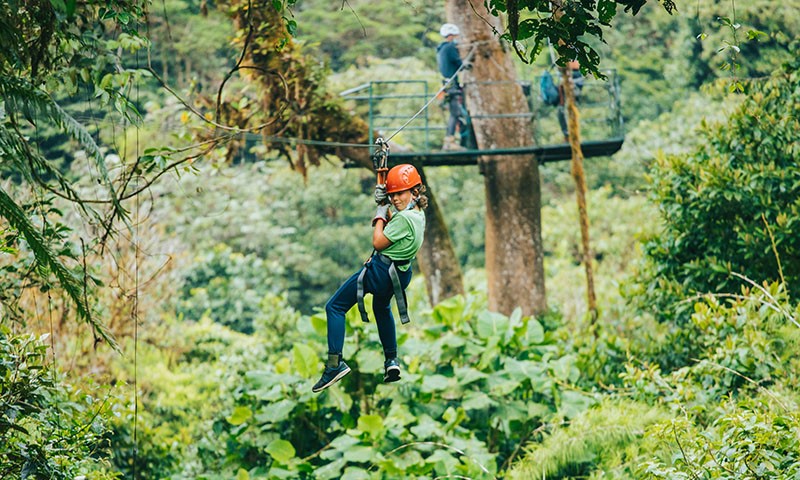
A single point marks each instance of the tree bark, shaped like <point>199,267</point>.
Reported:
<point>514,259</point>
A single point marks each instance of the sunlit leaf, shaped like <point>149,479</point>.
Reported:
<point>305,360</point>
<point>240,415</point>
<point>372,425</point>
<point>281,450</point>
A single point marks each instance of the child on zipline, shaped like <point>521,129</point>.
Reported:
<point>396,239</point>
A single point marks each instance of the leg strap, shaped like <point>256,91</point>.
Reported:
<point>399,295</point>
<point>360,295</point>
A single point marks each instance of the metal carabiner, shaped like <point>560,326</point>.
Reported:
<point>380,160</point>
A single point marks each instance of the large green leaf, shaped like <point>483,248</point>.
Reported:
<point>281,450</point>
<point>359,454</point>
<point>330,470</point>
<point>434,383</point>
<point>276,412</point>
<point>372,425</point>
<point>306,362</point>
<point>491,324</point>
<point>240,415</point>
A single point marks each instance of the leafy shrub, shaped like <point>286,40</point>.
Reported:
<point>48,429</point>
<point>749,439</point>
<point>185,370</point>
<point>730,206</point>
<point>735,404</point>
<point>228,287</point>
<point>475,385</point>
<point>593,438</point>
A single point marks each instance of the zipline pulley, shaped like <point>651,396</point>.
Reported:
<point>380,160</point>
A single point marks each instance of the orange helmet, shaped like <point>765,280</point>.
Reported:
<point>402,177</point>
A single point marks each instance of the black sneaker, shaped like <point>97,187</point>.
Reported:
<point>392,370</point>
<point>330,376</point>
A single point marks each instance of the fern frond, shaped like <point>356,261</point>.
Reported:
<point>29,163</point>
<point>24,98</point>
<point>596,434</point>
<point>17,218</point>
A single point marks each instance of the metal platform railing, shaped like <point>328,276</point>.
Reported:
<point>389,104</point>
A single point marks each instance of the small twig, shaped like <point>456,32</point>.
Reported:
<point>316,454</point>
<point>680,447</point>
<point>355,14</point>
<point>774,248</point>
<point>768,295</point>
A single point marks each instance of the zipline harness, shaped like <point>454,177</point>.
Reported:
<point>380,161</point>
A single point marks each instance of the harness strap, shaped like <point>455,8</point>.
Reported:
<point>360,295</point>
<point>399,294</point>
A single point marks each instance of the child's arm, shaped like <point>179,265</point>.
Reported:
<point>379,240</point>
<point>382,216</point>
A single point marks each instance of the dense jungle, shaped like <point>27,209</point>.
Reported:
<point>185,183</point>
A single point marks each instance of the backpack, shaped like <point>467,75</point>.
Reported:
<point>548,90</point>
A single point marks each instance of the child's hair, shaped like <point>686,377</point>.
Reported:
<point>419,194</point>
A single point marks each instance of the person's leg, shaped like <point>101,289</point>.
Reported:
<point>335,311</point>
<point>562,122</point>
<point>455,111</point>
<point>382,293</point>
<point>381,307</point>
<point>336,308</point>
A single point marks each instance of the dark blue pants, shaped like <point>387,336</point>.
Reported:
<point>378,283</point>
<point>455,98</point>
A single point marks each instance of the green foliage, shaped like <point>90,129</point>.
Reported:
<point>228,287</point>
<point>475,384</point>
<point>566,27</point>
<point>730,206</point>
<point>51,48</point>
<point>276,226</point>
<point>736,401</point>
<point>185,371</point>
<point>733,350</point>
<point>588,441</point>
<point>749,439</point>
<point>361,31</point>
<point>48,429</point>
<point>40,241</point>
<point>745,42</point>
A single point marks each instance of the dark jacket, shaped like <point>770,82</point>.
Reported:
<point>448,58</point>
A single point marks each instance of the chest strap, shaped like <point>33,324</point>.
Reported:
<point>399,294</point>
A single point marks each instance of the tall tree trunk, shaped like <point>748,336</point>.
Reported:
<point>514,259</point>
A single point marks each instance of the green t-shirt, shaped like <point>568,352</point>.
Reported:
<point>405,230</point>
